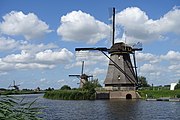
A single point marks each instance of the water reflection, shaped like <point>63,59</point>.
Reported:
<point>107,109</point>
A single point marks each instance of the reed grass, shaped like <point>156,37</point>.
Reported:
<point>70,95</point>
<point>12,108</point>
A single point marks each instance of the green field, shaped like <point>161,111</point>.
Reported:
<point>159,93</point>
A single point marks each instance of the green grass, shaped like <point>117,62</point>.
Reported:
<point>69,95</point>
<point>159,93</point>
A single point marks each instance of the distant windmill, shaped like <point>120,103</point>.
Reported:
<point>14,86</point>
<point>82,77</point>
<point>121,74</point>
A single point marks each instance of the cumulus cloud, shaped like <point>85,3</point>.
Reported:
<point>139,27</point>
<point>4,66</point>
<point>98,71</point>
<point>169,22</point>
<point>33,66</point>
<point>18,23</point>
<point>23,57</point>
<point>54,56</point>
<point>80,26</point>
<point>156,67</point>
<point>90,58</point>
<point>171,56</point>
<point>150,69</point>
<point>40,60</point>
<point>12,44</point>
<point>142,57</point>
<point>34,48</point>
<point>8,44</point>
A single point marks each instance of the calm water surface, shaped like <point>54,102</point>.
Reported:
<point>106,109</point>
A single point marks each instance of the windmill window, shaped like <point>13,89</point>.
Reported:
<point>119,57</point>
<point>119,77</point>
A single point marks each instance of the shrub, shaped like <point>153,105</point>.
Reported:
<point>178,96</point>
<point>177,86</point>
<point>65,87</point>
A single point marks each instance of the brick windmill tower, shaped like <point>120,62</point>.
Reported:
<point>121,79</point>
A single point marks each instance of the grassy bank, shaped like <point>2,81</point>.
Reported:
<point>69,95</point>
<point>20,92</point>
<point>159,93</point>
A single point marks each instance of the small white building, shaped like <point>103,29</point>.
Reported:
<point>173,86</point>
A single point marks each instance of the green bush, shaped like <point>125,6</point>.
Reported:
<point>177,86</point>
<point>178,95</point>
<point>65,87</point>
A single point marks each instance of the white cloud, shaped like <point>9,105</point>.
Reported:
<point>60,81</point>
<point>14,45</point>
<point>33,66</point>
<point>98,71</point>
<point>171,56</point>
<point>174,67</point>
<point>5,66</point>
<point>141,57</point>
<point>54,57</point>
<point>80,26</point>
<point>23,57</point>
<point>169,22</point>
<point>18,23</point>
<point>151,69</point>
<point>90,58</point>
<point>43,79</point>
<point>139,27</point>
<point>41,60</point>
<point>163,68</point>
<point>34,48</point>
<point>8,44</point>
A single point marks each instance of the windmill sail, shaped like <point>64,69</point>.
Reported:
<point>82,77</point>
<point>121,75</point>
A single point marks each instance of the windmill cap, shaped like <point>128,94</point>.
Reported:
<point>84,76</point>
<point>119,48</point>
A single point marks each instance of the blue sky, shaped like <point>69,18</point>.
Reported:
<point>38,38</point>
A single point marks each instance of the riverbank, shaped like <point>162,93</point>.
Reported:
<point>164,99</point>
<point>156,94</point>
<point>89,95</point>
<point>70,95</point>
<point>13,92</point>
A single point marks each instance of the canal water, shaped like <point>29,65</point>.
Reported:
<point>105,109</point>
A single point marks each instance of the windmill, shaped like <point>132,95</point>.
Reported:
<point>14,86</point>
<point>121,74</point>
<point>82,77</point>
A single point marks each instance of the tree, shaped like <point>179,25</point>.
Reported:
<point>177,86</point>
<point>65,87</point>
<point>49,89</point>
<point>96,83</point>
<point>143,81</point>
<point>91,84</point>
